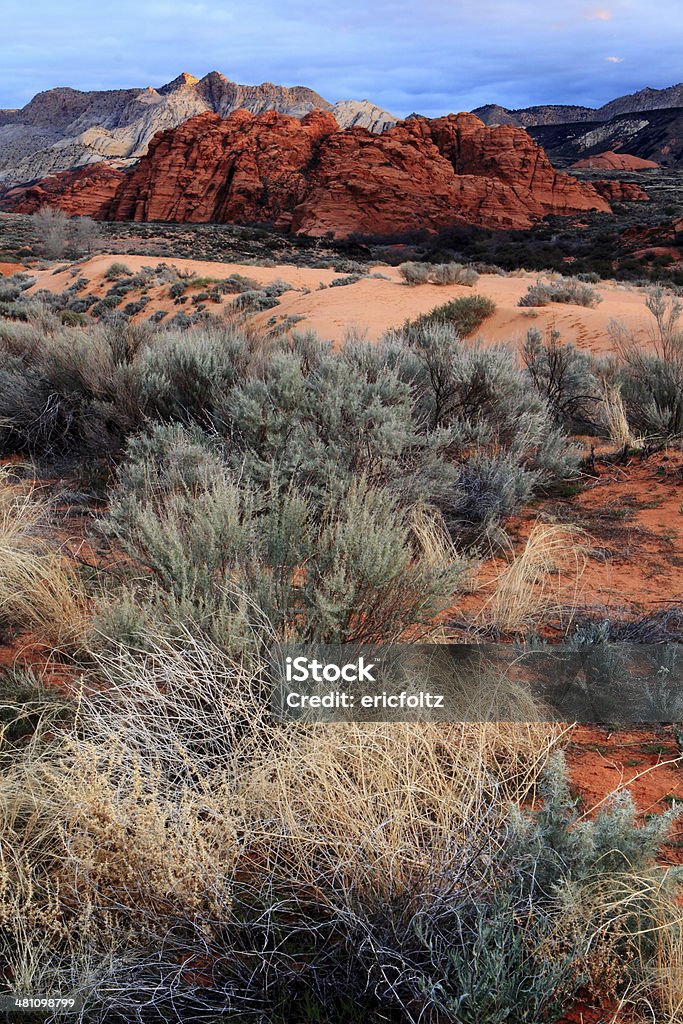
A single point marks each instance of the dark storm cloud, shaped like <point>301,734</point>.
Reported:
<point>435,57</point>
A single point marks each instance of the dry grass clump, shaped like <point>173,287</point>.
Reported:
<point>616,421</point>
<point>210,857</point>
<point>38,592</point>
<point>178,798</point>
<point>541,582</point>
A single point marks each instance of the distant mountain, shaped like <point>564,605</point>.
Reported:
<point>652,135</point>
<point>528,117</point>
<point>65,128</point>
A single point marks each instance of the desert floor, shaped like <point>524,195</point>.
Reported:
<point>372,305</point>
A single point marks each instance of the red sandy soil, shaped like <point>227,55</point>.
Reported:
<point>634,515</point>
<point>597,1015</point>
<point>7,269</point>
<point>645,760</point>
<point>372,305</point>
<point>630,519</point>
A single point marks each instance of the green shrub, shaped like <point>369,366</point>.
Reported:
<point>115,271</point>
<point>651,380</point>
<point>233,560</point>
<point>463,316</point>
<point>254,301</point>
<point>131,308</point>
<point>652,392</point>
<point>9,291</point>
<point>338,282</point>
<point>105,305</point>
<point>325,419</point>
<point>183,377</point>
<point>428,420</point>
<point>66,390</point>
<point>72,318</point>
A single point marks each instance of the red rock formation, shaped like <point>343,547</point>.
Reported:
<point>87,192</point>
<point>311,177</point>
<point>246,168</point>
<point>610,161</point>
<point>621,191</point>
<point>424,173</point>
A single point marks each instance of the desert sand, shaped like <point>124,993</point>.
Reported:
<point>374,304</point>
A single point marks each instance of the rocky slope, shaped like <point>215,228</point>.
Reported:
<point>527,117</point>
<point>64,128</point>
<point>311,177</point>
<point>655,135</point>
<point>615,191</point>
<point>85,192</point>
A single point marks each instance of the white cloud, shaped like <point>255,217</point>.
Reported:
<point>598,14</point>
<point>614,60</point>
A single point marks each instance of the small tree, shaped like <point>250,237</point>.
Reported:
<point>85,233</point>
<point>52,226</point>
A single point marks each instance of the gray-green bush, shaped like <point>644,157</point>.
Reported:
<point>651,379</point>
<point>565,377</point>
<point>567,289</point>
<point>231,559</point>
<point>438,273</point>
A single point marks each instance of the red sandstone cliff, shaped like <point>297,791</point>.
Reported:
<point>87,192</point>
<point>311,177</point>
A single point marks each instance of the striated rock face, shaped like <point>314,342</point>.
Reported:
<point>311,177</point>
<point>621,191</point>
<point>610,161</point>
<point>87,192</point>
<point>245,168</point>
<point>655,135</point>
<point>429,174</point>
<point>362,114</point>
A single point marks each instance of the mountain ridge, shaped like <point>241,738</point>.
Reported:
<point>645,99</point>
<point>63,128</point>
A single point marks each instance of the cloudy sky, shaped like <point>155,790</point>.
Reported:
<point>430,56</point>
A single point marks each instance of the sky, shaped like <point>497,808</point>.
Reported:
<point>425,56</point>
